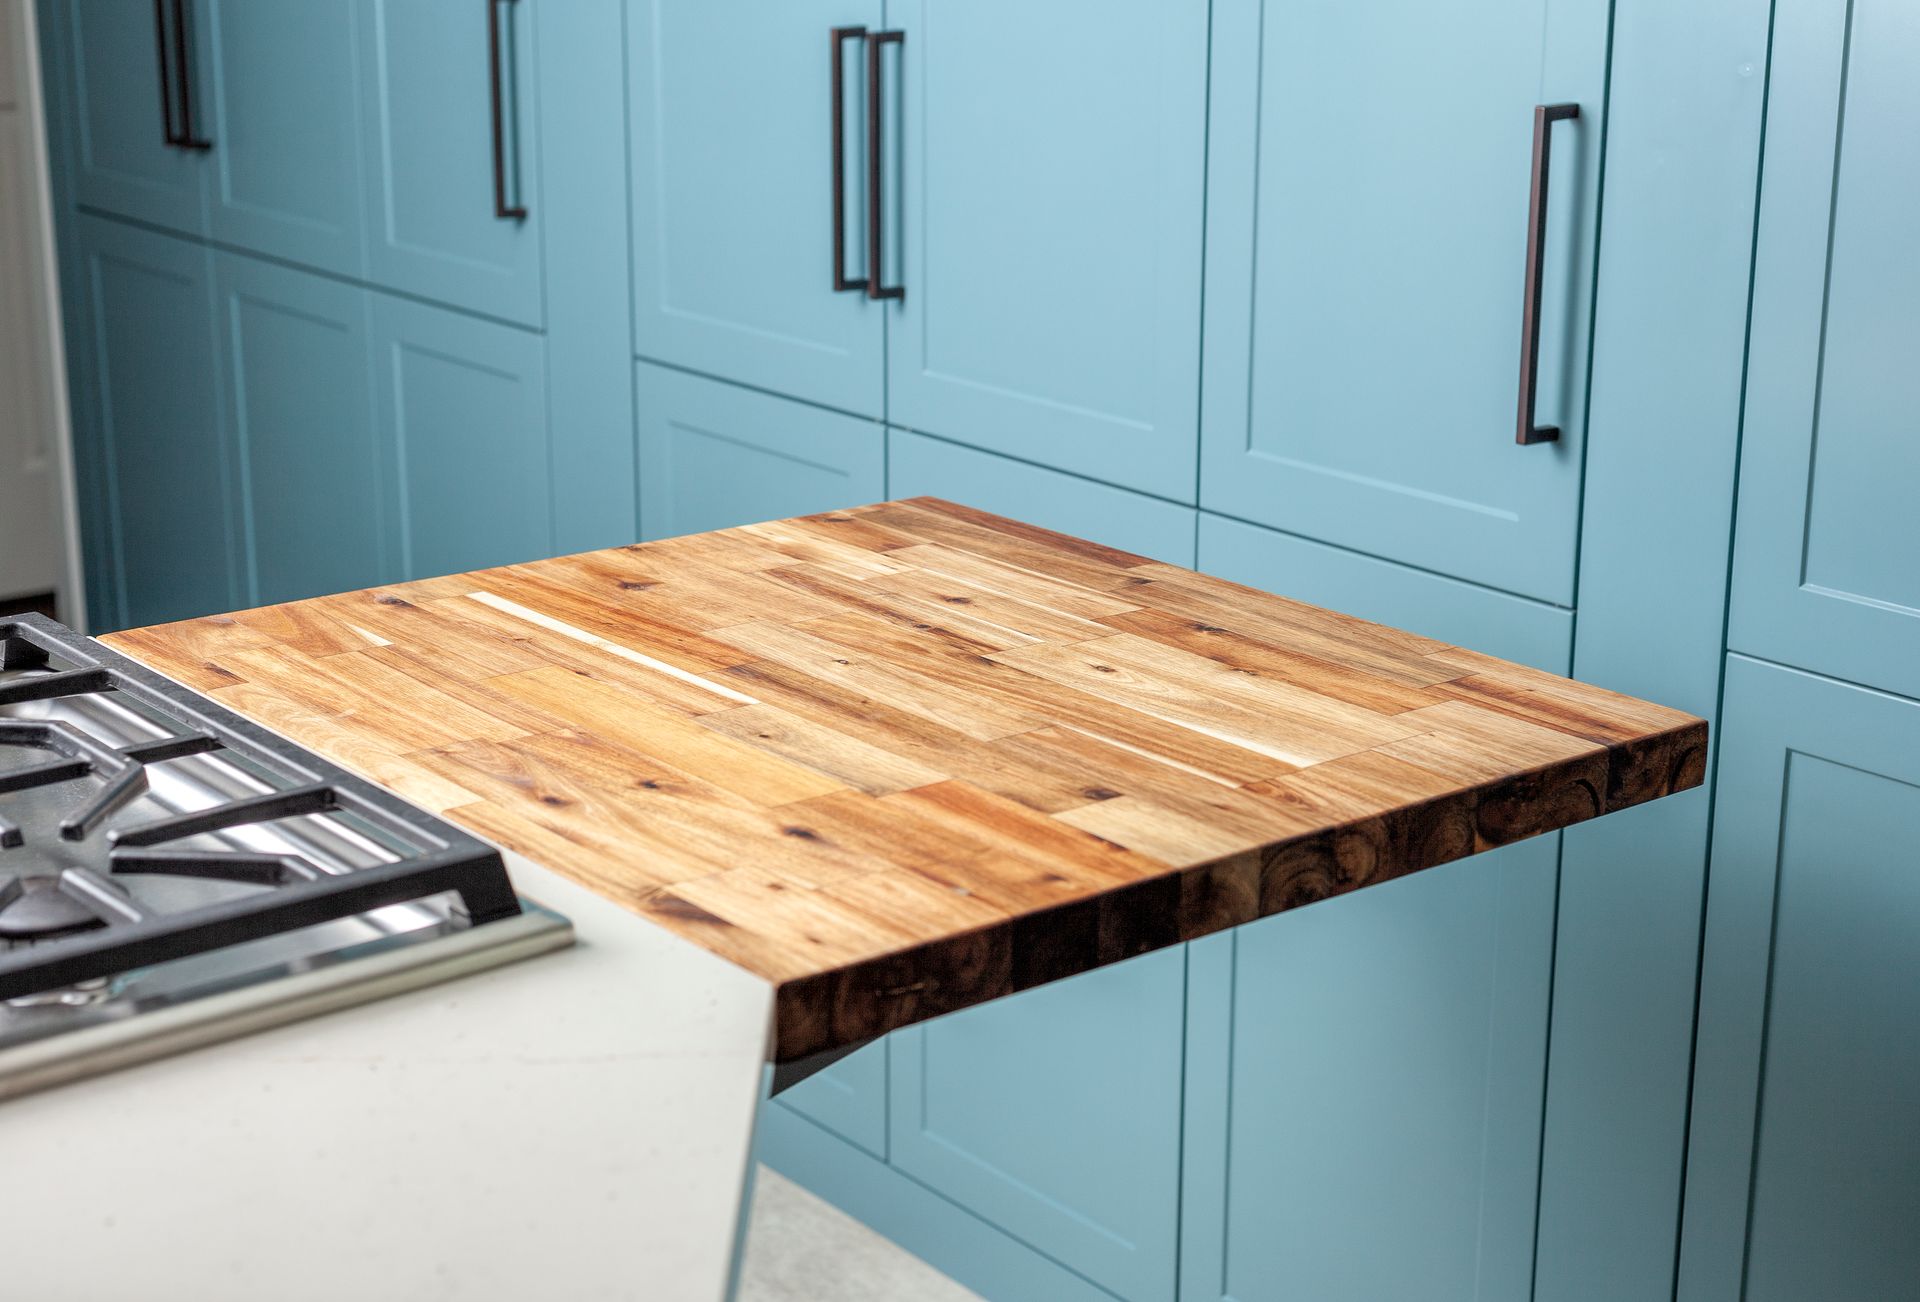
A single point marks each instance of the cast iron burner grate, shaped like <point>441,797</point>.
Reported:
<point>80,924</point>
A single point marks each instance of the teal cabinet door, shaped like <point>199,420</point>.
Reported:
<point>1055,1115</point>
<point>1368,206</point>
<point>431,216</point>
<point>121,163</point>
<point>733,266</point>
<point>462,407</point>
<point>1365,1075</point>
<point>283,109</point>
<point>714,455</point>
<point>1824,564</point>
<point>1051,185</point>
<point>153,446</point>
<point>1803,1171</point>
<point>918,466</point>
<point>848,1098</point>
<point>315,488</point>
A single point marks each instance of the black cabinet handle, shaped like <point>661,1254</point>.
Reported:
<point>877,42</point>
<point>501,208</point>
<point>1544,116</point>
<point>841,35</point>
<point>180,136</point>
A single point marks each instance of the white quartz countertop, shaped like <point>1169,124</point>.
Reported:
<point>576,1126</point>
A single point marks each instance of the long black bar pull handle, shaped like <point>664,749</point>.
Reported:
<point>841,35</point>
<point>182,67</point>
<point>168,135</point>
<point>501,208</point>
<point>1544,116</point>
<point>876,271</point>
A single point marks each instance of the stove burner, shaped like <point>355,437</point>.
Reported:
<point>36,908</point>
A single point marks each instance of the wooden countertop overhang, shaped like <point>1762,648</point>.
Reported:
<point>906,758</point>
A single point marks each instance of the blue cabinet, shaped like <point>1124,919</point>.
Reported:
<point>462,424</point>
<point>112,55</point>
<point>152,455</point>
<point>1049,233</point>
<point>848,1098</point>
<point>1367,225</point>
<point>1803,1174</point>
<point>732,197</point>
<point>918,466</point>
<point>315,492</point>
<point>1824,566</point>
<point>428,148</point>
<point>281,94</point>
<point>1374,1065</point>
<point>713,455</point>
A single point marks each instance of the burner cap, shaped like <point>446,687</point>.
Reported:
<point>35,908</point>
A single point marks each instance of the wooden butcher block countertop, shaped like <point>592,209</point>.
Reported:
<point>905,758</point>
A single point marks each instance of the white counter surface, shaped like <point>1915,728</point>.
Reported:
<point>574,1127</point>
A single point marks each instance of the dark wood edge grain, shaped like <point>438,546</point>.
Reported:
<point>863,1001</point>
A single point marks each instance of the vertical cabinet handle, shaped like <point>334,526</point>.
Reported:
<point>175,99</point>
<point>841,35</point>
<point>1544,116</point>
<point>501,208</point>
<point>876,271</point>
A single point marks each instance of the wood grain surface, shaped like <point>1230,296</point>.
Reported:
<point>905,758</point>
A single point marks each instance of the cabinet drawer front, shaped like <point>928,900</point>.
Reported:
<point>1055,1115</point>
<point>1803,1173</point>
<point>1824,572</point>
<point>430,191</point>
<point>1368,220</point>
<point>919,466</point>
<point>1050,232</point>
<point>848,1098</point>
<point>732,215</point>
<point>1383,1051</point>
<point>120,161</point>
<point>463,415</point>
<point>713,455</point>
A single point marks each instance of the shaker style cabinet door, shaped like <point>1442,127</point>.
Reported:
<point>714,455</point>
<point>154,461</point>
<point>462,407</point>
<point>1368,279</point>
<point>314,486</point>
<point>1803,1165</point>
<point>848,1098</point>
<point>448,217</point>
<point>126,118</point>
<point>733,202</point>
<point>1365,1075</point>
<point>1824,572</point>
<point>1042,189</point>
<point>283,109</point>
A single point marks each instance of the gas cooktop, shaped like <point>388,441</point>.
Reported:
<point>172,874</point>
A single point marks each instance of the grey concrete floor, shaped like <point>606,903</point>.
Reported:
<point>800,1249</point>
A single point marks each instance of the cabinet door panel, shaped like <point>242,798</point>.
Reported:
<point>165,472</point>
<point>314,485</point>
<point>920,466</point>
<point>848,1098</point>
<point>1050,234</point>
<point>1367,231</point>
<point>463,411</point>
<point>1055,1115</point>
<point>1803,1173</point>
<point>1383,1051</point>
<point>120,163</point>
<point>732,190</point>
<point>283,82</point>
<point>713,455</point>
<point>1824,572</point>
<point>429,149</point>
